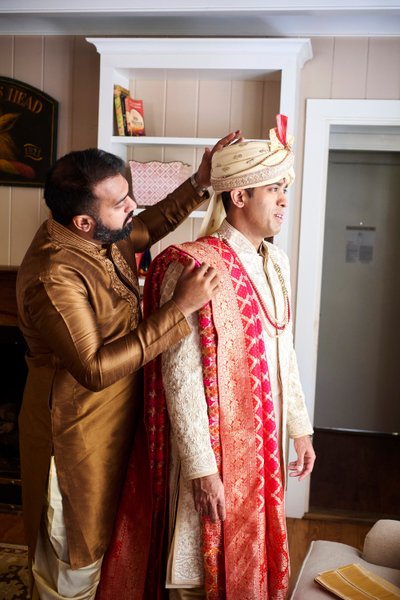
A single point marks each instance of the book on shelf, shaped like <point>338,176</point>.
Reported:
<point>120,93</point>
<point>134,116</point>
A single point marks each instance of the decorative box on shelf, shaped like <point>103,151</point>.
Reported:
<point>154,180</point>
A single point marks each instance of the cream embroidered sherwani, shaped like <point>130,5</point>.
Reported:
<point>191,452</point>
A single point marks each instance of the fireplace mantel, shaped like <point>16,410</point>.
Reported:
<point>13,374</point>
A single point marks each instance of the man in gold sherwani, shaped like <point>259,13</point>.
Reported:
<point>232,392</point>
<point>79,310</point>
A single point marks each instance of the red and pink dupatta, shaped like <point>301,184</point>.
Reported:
<point>246,557</point>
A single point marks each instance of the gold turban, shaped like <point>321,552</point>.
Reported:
<point>248,165</point>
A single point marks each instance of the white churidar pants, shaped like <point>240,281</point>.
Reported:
<point>54,577</point>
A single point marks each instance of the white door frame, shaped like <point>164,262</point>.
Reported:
<point>321,115</point>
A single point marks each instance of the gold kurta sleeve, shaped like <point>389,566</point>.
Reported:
<point>69,326</point>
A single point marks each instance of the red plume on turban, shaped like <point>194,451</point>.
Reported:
<point>281,129</point>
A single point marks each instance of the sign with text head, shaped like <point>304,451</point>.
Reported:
<point>28,133</point>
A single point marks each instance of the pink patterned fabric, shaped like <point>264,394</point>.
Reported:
<point>152,181</point>
<point>255,545</point>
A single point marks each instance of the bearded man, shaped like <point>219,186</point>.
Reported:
<point>79,309</point>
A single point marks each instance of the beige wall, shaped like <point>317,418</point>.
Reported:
<point>67,68</point>
<point>366,68</point>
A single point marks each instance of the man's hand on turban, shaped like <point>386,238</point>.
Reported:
<point>204,170</point>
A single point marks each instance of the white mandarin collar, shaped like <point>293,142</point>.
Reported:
<point>240,243</point>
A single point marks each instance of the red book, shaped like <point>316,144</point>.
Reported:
<point>134,116</point>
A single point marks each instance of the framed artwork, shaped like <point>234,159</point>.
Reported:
<point>28,133</point>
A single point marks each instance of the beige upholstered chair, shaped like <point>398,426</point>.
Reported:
<point>380,555</point>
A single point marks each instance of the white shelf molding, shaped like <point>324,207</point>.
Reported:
<point>163,141</point>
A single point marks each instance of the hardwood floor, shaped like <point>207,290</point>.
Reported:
<point>301,532</point>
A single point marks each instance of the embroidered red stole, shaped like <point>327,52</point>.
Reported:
<point>246,557</point>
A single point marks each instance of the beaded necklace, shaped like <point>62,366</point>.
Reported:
<point>281,325</point>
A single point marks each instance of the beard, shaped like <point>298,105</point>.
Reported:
<point>104,234</point>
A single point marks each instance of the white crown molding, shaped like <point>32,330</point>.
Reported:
<point>189,53</point>
<point>351,25</point>
<point>291,18</point>
<point>191,6</point>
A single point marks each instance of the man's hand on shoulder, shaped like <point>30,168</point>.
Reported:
<point>209,497</point>
<point>195,287</point>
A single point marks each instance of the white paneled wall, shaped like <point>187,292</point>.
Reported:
<point>207,108</point>
<point>365,68</point>
<point>67,68</point>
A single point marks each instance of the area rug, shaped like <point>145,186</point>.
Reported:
<point>13,572</point>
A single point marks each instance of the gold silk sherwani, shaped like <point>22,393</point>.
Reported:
<point>79,311</point>
<point>191,452</point>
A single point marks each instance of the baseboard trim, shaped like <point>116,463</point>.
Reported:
<point>319,514</point>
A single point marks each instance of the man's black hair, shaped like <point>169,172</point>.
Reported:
<point>226,198</point>
<point>69,184</point>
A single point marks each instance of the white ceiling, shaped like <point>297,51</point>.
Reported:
<point>288,18</point>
